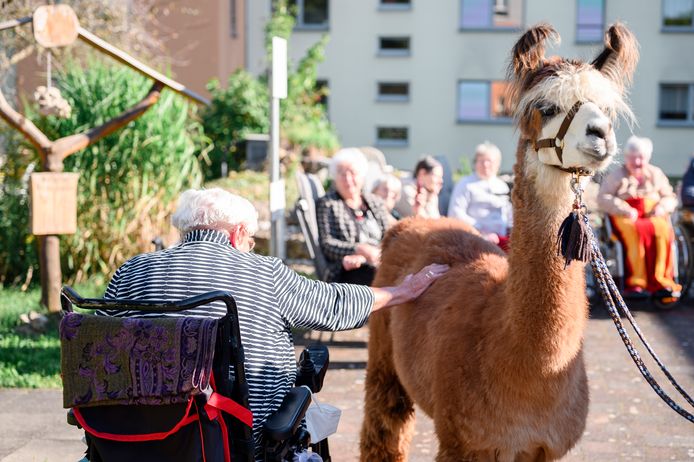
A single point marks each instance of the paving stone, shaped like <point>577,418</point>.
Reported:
<point>626,422</point>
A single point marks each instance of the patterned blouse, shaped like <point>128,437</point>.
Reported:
<point>339,231</point>
<point>271,300</point>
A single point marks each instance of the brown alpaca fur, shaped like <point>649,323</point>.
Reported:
<point>493,350</point>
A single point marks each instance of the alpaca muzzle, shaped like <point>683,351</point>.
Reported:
<point>558,142</point>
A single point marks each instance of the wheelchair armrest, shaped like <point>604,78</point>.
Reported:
<point>282,424</point>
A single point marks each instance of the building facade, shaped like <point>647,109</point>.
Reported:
<point>201,40</point>
<point>413,77</point>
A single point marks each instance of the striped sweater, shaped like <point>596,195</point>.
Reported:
<point>271,299</point>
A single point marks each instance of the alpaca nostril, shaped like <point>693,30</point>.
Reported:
<point>595,131</point>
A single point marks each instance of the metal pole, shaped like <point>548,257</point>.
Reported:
<point>278,90</point>
<point>277,224</point>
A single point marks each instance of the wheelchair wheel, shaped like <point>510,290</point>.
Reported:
<point>684,263</point>
<point>685,259</point>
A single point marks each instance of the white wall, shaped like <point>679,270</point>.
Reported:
<point>442,55</point>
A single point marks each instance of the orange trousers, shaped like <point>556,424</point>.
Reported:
<point>647,248</point>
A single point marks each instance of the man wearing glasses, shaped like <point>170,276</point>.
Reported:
<point>217,230</point>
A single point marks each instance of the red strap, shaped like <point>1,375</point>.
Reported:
<point>185,420</point>
<point>228,405</point>
<point>231,407</point>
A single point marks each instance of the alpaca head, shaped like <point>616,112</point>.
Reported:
<point>544,90</point>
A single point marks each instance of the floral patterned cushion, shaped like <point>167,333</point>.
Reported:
<point>109,360</point>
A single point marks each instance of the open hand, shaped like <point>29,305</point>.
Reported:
<point>415,284</point>
<point>352,262</point>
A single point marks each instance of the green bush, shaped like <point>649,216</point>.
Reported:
<point>237,110</point>
<point>18,257</point>
<point>129,180</point>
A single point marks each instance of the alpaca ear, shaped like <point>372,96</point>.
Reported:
<point>529,52</point>
<point>618,60</point>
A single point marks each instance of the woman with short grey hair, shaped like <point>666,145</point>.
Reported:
<point>351,223</point>
<point>217,230</point>
<point>482,199</point>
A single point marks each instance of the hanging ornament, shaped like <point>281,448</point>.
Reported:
<point>49,99</point>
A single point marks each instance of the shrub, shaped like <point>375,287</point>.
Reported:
<point>130,179</point>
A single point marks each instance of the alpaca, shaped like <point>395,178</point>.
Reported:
<point>493,350</point>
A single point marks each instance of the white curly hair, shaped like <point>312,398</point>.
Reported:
<point>210,208</point>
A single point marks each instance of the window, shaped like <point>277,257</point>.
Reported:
<point>392,136</point>
<point>395,4</point>
<point>678,15</point>
<point>393,91</point>
<point>676,104</point>
<point>480,101</point>
<point>394,46</point>
<point>310,14</point>
<point>491,14</point>
<point>590,21</point>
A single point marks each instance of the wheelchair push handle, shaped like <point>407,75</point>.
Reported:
<point>70,297</point>
<point>313,364</point>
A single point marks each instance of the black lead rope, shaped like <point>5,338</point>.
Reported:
<point>613,299</point>
<point>576,241</point>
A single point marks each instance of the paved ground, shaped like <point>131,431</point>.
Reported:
<point>627,421</point>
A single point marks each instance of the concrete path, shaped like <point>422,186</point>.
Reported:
<point>627,421</point>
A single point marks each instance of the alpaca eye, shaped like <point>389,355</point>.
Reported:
<point>549,111</point>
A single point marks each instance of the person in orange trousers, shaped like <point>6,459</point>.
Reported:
<point>639,199</point>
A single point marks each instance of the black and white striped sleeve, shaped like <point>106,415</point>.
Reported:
<point>319,305</point>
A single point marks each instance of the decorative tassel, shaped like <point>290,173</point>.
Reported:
<point>573,239</point>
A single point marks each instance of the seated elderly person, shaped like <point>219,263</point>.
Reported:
<point>639,200</point>
<point>351,223</point>
<point>217,230</point>
<point>389,188</point>
<point>482,199</point>
<point>420,194</point>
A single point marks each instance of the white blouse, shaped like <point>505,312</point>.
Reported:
<point>485,204</point>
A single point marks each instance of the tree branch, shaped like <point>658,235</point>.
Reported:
<point>30,131</point>
<point>63,147</point>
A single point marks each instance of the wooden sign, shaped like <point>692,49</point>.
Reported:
<point>53,203</point>
<point>55,25</point>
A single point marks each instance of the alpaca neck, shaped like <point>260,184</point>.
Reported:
<point>547,301</point>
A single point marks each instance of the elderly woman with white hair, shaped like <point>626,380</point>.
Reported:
<point>351,223</point>
<point>217,230</point>
<point>639,199</point>
<point>482,199</point>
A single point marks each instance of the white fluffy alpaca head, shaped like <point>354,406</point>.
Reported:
<point>543,90</point>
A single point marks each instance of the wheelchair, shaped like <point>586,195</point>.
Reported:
<point>613,251</point>
<point>205,423</point>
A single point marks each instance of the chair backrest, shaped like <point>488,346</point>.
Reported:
<point>377,166</point>
<point>310,190</point>
<point>132,423</point>
<point>447,188</point>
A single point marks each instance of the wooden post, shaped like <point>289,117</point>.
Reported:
<point>51,274</point>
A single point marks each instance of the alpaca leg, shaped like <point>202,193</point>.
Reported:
<point>388,411</point>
